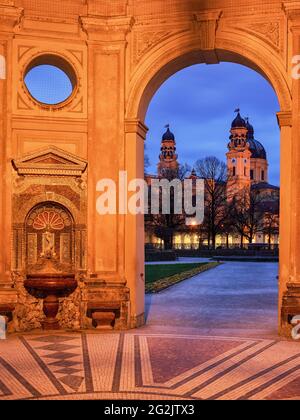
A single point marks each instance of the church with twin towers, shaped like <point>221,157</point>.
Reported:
<point>247,169</point>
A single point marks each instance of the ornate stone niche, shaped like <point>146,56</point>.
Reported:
<point>49,234</point>
<point>49,223</point>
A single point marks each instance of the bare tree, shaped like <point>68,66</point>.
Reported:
<point>214,173</point>
<point>180,173</point>
<point>164,226</point>
<point>247,214</point>
<point>183,171</point>
<point>227,226</point>
<point>271,223</point>
<point>146,159</point>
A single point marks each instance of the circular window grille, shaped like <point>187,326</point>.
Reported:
<point>50,80</point>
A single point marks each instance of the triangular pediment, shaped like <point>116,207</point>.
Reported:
<point>50,161</point>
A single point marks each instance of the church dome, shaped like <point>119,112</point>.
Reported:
<point>168,136</point>
<point>250,129</point>
<point>238,122</point>
<point>256,148</point>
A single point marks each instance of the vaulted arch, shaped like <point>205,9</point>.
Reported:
<point>185,50</point>
<point>177,52</point>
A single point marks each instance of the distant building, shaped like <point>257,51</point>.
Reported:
<point>247,166</point>
<point>168,156</point>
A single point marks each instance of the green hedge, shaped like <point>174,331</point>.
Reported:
<point>152,256</point>
<point>167,282</point>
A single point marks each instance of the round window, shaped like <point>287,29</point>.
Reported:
<point>50,80</point>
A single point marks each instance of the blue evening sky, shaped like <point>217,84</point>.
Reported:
<point>48,84</point>
<point>199,102</point>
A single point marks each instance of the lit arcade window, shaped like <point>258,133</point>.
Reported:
<point>50,80</point>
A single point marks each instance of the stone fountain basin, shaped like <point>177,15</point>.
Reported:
<point>51,284</point>
<point>50,287</point>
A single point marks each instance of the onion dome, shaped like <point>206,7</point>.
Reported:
<point>238,122</point>
<point>168,136</point>
<point>250,135</point>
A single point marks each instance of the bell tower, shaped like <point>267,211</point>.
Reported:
<point>238,157</point>
<point>168,156</point>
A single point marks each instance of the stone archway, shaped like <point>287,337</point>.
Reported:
<point>117,55</point>
<point>159,67</point>
<point>182,52</point>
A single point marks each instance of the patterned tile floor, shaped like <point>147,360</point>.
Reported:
<point>165,359</point>
<point>140,365</point>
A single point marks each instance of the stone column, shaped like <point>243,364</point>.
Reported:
<point>2,158</point>
<point>295,152</point>
<point>135,232</point>
<point>9,17</point>
<point>108,237</point>
<point>106,150</point>
<point>290,186</point>
<point>286,181</point>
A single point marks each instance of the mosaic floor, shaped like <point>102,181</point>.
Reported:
<point>147,366</point>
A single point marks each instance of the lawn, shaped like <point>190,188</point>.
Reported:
<point>161,271</point>
<point>162,276</point>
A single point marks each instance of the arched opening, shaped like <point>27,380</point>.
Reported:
<point>144,88</point>
<point>165,62</point>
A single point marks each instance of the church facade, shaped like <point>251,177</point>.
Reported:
<point>247,170</point>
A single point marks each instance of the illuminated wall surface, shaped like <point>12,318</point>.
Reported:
<point>87,121</point>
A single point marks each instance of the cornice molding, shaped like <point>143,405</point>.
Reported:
<point>292,12</point>
<point>134,126</point>
<point>284,119</point>
<point>210,15</point>
<point>10,17</point>
<point>206,25</point>
<point>291,8</point>
<point>102,28</point>
<point>50,161</point>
